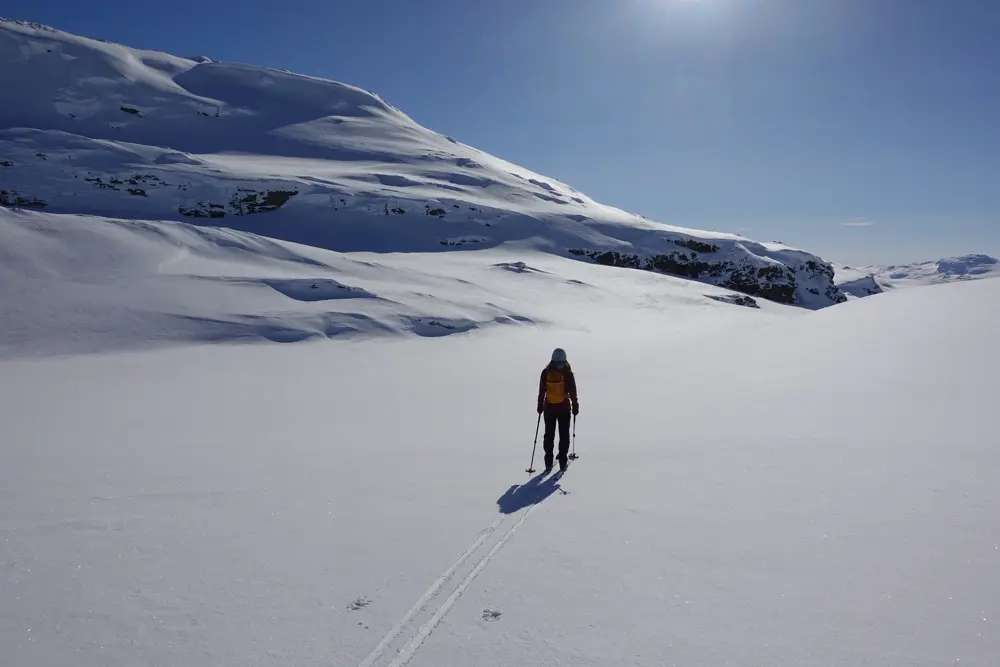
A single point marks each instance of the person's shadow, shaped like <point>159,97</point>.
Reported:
<point>532,492</point>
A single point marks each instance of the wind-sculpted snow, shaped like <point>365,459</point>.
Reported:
<point>82,284</point>
<point>102,129</point>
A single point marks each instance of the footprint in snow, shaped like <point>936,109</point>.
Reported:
<point>359,604</point>
<point>491,615</point>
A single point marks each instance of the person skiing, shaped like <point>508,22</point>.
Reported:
<point>557,399</point>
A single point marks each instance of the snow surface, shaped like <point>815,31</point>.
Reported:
<point>789,491</point>
<point>102,129</point>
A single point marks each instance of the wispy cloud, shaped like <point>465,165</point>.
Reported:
<point>858,222</point>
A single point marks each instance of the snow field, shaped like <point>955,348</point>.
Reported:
<point>740,497</point>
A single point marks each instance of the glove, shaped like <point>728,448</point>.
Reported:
<point>540,409</point>
<point>576,410</point>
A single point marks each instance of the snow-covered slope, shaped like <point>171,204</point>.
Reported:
<point>785,492</point>
<point>869,280</point>
<point>80,284</point>
<point>857,283</point>
<point>101,129</point>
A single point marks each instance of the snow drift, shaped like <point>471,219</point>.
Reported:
<point>82,284</point>
<point>101,129</point>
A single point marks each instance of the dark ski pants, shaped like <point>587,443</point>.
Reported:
<point>552,419</point>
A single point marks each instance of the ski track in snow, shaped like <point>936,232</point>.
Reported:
<point>429,595</point>
<point>425,631</point>
<point>410,649</point>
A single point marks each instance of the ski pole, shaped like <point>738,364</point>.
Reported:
<point>573,456</point>
<point>531,468</point>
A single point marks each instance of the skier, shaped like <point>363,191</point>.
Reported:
<point>556,399</point>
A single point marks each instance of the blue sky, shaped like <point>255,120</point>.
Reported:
<point>864,130</point>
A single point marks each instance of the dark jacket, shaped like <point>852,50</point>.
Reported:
<point>570,400</point>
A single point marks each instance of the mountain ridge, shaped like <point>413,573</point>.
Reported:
<point>870,280</point>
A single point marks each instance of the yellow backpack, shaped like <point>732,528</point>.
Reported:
<point>555,387</point>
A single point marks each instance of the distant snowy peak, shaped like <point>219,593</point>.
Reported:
<point>865,281</point>
<point>969,266</point>
<point>103,129</point>
<point>85,84</point>
<point>27,24</point>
